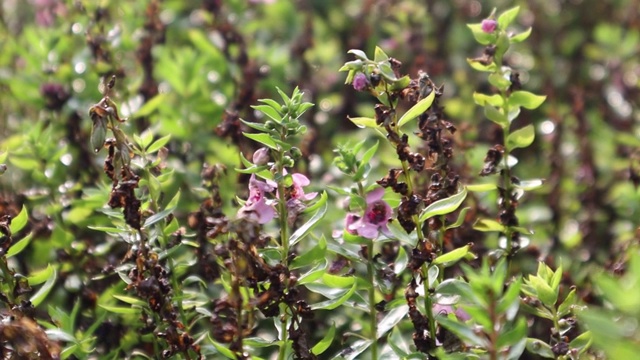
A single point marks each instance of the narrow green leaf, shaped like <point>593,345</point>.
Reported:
<point>391,319</point>
<point>461,330</point>
<point>496,116</point>
<point>130,300</point>
<point>417,109</point>
<point>310,257</point>
<point>444,206</point>
<point>540,348</point>
<point>582,342</point>
<point>335,302</point>
<point>269,111</point>
<point>452,256</point>
<point>488,225</point>
<point>324,344</point>
<point>38,277</point>
<point>481,187</point>
<point>335,281</point>
<point>461,217</point>
<point>364,122</point>
<point>263,139</point>
<point>304,229</point>
<point>222,350</point>
<point>18,222</point>
<point>506,18</point>
<point>479,66</point>
<point>528,185</point>
<point>518,38</point>
<point>401,261</point>
<point>566,306</point>
<point>521,138</point>
<point>358,53</point>
<point>499,81</point>
<point>525,99</point>
<point>42,293</point>
<point>17,248</point>
<point>158,144</point>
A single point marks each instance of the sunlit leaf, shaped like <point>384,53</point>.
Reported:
<point>325,342</point>
<point>18,222</point>
<point>417,109</point>
<point>444,206</point>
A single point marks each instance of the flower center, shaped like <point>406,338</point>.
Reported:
<point>378,213</point>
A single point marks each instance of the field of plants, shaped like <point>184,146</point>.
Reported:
<point>319,179</point>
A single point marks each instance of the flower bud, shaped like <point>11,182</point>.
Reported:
<point>261,156</point>
<point>295,153</point>
<point>360,82</point>
<point>489,25</point>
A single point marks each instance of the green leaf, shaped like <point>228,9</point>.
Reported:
<point>263,139</point>
<point>540,348</point>
<point>566,306</point>
<point>150,106</point>
<point>525,99</point>
<point>304,229</point>
<point>42,293</point>
<point>479,66</point>
<point>222,350</point>
<point>269,111</point>
<point>324,344</point>
<point>518,38</point>
<point>130,300</point>
<point>17,248</point>
<point>443,206</point>
<point>461,217</point>
<point>380,55</point>
<point>481,187</point>
<point>164,213</point>
<point>364,122</point>
<point>38,277</point>
<point>335,281</point>
<point>483,99</point>
<point>532,184</point>
<point>582,342</point>
<point>358,53</point>
<point>452,256</point>
<point>18,222</point>
<point>158,144</point>
<point>417,109</point>
<point>120,309</point>
<point>401,261</point>
<point>462,331</point>
<point>312,256</point>
<point>545,293</point>
<point>499,81</point>
<point>521,138</point>
<point>496,116</point>
<point>481,37</point>
<point>488,225</point>
<point>391,319</point>
<point>506,18</point>
<point>335,302</point>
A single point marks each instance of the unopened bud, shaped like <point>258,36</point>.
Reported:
<point>261,156</point>
<point>295,153</point>
<point>489,25</point>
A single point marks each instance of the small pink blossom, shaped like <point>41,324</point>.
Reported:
<point>257,207</point>
<point>375,219</point>
<point>360,82</point>
<point>448,309</point>
<point>489,25</point>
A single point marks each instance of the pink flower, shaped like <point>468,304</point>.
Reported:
<point>258,207</point>
<point>489,25</point>
<point>376,216</point>
<point>261,156</point>
<point>360,82</point>
<point>448,309</point>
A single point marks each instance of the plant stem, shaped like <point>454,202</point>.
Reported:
<point>372,301</point>
<point>284,242</point>
<point>493,335</point>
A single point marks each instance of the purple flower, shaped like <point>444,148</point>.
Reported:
<point>489,25</point>
<point>257,207</point>
<point>376,216</point>
<point>360,82</point>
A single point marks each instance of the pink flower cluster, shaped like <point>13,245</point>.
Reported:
<point>261,209</point>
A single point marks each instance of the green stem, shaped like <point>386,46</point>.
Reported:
<point>428,305</point>
<point>284,239</point>
<point>372,301</point>
<point>7,276</point>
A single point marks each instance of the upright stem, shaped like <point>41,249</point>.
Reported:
<point>372,301</point>
<point>493,334</point>
<point>506,176</point>
<point>284,238</point>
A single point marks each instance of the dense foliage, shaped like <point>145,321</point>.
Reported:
<point>262,179</point>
